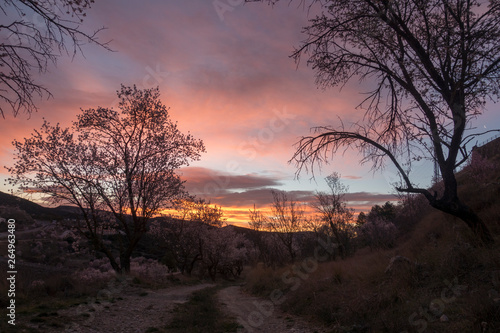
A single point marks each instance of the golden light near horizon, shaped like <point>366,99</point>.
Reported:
<point>248,119</point>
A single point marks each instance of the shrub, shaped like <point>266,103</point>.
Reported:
<point>149,270</point>
<point>378,233</point>
<point>480,167</point>
<point>91,275</point>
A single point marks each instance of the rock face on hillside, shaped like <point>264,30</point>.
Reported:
<point>398,263</point>
<point>490,150</point>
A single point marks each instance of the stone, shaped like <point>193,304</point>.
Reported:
<point>444,319</point>
<point>397,261</point>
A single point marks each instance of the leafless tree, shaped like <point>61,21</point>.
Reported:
<point>256,219</point>
<point>33,35</point>
<point>117,167</point>
<point>334,212</point>
<point>286,219</point>
<point>434,64</point>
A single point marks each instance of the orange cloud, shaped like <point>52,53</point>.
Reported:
<point>229,83</point>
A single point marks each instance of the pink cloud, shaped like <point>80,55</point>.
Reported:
<point>225,82</point>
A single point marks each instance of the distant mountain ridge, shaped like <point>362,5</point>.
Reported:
<point>490,150</point>
<point>35,210</point>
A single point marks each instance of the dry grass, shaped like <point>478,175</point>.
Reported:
<point>449,274</point>
<point>40,294</point>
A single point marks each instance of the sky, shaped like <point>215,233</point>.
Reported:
<point>223,68</point>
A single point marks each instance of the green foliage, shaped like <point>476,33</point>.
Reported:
<point>386,212</point>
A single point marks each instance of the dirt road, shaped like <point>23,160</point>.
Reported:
<point>260,315</point>
<point>137,310</point>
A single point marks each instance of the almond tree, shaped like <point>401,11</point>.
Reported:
<point>117,167</point>
<point>34,34</point>
<point>185,237</point>
<point>432,65</point>
<point>224,251</point>
<point>197,238</point>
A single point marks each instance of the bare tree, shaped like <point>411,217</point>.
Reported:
<point>256,219</point>
<point>334,212</point>
<point>34,34</point>
<point>434,64</point>
<point>286,219</point>
<point>118,168</point>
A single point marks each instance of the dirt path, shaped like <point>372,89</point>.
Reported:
<point>134,311</point>
<point>260,315</point>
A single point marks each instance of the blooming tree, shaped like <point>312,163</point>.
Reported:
<point>117,167</point>
<point>224,251</point>
<point>378,232</point>
<point>197,238</point>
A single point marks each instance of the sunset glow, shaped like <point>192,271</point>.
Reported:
<point>228,80</point>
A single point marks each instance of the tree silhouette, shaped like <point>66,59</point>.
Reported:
<point>117,167</point>
<point>334,213</point>
<point>286,219</point>
<point>433,64</point>
<point>34,34</point>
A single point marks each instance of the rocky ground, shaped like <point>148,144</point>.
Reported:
<point>135,310</point>
<point>132,309</point>
<point>255,314</point>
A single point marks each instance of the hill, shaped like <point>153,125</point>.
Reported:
<point>435,279</point>
<point>491,149</point>
<point>29,207</point>
<point>9,202</point>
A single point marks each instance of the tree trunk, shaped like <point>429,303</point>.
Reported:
<point>476,224</point>
<point>125,263</point>
<point>212,271</point>
<point>190,266</point>
<point>116,267</point>
<point>466,214</point>
<point>451,204</point>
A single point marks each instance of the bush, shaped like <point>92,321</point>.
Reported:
<point>378,233</point>
<point>480,168</point>
<point>149,270</point>
<point>94,276</point>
